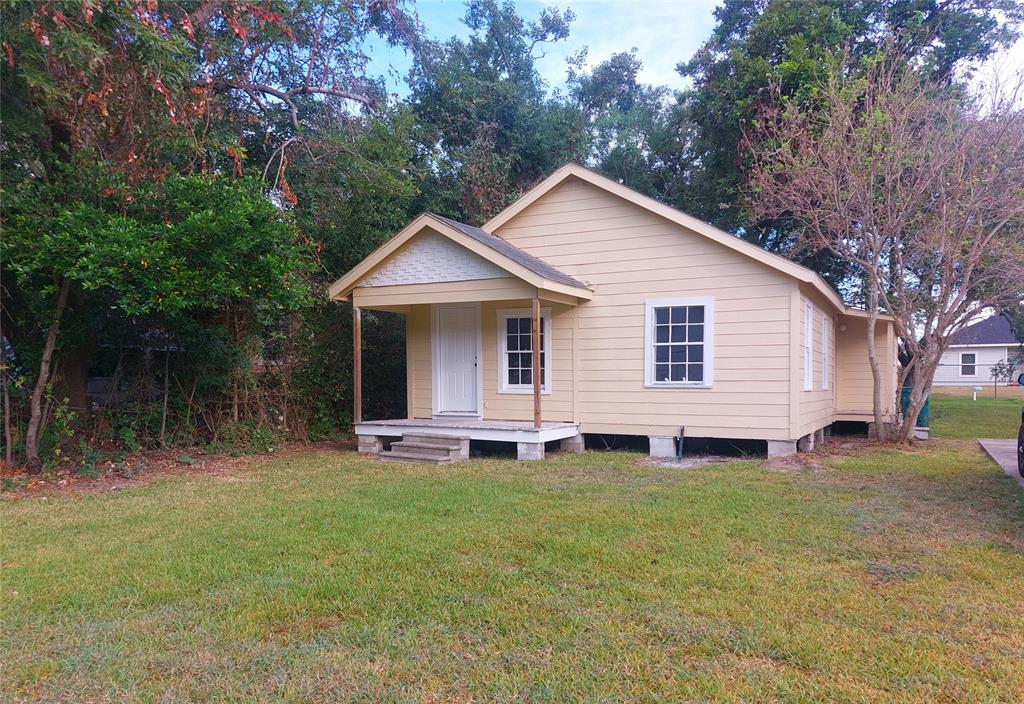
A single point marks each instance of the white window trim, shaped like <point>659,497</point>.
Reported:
<point>960,367</point>
<point>503,386</point>
<point>826,351</point>
<point>808,346</point>
<point>709,342</point>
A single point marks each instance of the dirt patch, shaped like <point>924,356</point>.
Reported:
<point>689,462</point>
<point>142,468</point>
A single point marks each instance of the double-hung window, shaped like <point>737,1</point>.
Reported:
<point>515,351</point>
<point>826,350</point>
<point>968,364</point>
<point>808,347</point>
<point>678,342</point>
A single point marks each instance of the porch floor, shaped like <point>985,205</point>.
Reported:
<point>473,428</point>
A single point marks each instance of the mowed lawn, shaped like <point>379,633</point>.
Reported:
<point>988,417</point>
<point>882,576</point>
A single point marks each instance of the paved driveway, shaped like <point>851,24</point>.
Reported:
<point>1003,453</point>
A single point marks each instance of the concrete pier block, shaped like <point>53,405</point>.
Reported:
<point>662,445</point>
<point>573,444</point>
<point>370,444</point>
<point>781,448</point>
<point>529,450</point>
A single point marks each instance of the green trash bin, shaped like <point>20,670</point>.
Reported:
<point>924,419</point>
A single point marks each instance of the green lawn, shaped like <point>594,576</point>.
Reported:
<point>888,576</point>
<point>962,417</point>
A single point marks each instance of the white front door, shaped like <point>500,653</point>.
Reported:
<point>457,343</point>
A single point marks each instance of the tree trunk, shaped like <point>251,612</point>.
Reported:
<point>167,391</point>
<point>876,369</point>
<point>8,449</point>
<point>32,460</point>
<point>919,391</point>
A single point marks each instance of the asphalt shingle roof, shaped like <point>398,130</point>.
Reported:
<point>512,252</point>
<point>990,331</point>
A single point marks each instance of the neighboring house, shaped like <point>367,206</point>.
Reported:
<point>975,349</point>
<point>650,321</point>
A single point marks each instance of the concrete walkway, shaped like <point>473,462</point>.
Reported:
<point>1004,454</point>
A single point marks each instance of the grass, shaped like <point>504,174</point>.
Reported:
<point>963,418</point>
<point>885,576</point>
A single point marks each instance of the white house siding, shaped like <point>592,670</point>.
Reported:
<point>629,255</point>
<point>948,373</point>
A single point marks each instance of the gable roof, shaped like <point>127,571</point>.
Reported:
<point>734,243</point>
<point>509,250</point>
<point>491,247</point>
<point>990,331</point>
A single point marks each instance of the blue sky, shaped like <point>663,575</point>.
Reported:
<point>664,32</point>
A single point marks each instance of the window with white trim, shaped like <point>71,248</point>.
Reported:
<point>808,347</point>
<point>968,364</point>
<point>678,342</point>
<point>826,350</point>
<point>515,351</point>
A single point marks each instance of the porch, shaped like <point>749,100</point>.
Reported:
<point>489,339</point>
<point>529,439</point>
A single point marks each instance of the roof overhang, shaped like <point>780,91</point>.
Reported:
<point>801,273</point>
<point>341,289</point>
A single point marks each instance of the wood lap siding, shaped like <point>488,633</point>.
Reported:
<point>853,373</point>
<point>556,406</point>
<point>418,356</point>
<point>815,407</point>
<point>628,256</point>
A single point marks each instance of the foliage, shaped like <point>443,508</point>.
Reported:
<point>921,192</point>
<point>793,45</point>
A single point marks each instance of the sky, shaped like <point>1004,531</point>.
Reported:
<point>664,33</point>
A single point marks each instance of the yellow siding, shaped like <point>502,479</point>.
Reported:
<point>418,358</point>
<point>446,292</point>
<point>853,373</point>
<point>556,406</point>
<point>815,407</point>
<point>629,256</point>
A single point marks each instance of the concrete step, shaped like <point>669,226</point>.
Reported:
<point>425,448</point>
<point>413,458</point>
<point>448,441</point>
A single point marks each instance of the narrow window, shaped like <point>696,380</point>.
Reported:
<point>808,347</point>
<point>968,362</point>
<point>515,349</point>
<point>826,350</point>
<point>678,343</point>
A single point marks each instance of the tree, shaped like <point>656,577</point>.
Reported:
<point>788,46</point>
<point>919,189</point>
<point>489,129</point>
<point>199,243</point>
<point>1003,371</point>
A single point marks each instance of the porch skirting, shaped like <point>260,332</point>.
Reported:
<point>475,429</point>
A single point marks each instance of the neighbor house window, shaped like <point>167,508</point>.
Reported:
<point>515,351</point>
<point>808,347</point>
<point>826,350</point>
<point>967,364</point>
<point>678,342</point>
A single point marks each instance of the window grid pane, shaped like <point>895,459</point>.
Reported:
<point>678,344</point>
<point>519,351</point>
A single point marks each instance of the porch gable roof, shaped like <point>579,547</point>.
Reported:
<point>491,247</point>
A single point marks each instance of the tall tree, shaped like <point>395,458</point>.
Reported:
<point>489,126</point>
<point>920,191</point>
<point>791,45</point>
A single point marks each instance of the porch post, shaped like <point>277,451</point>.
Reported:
<point>357,365</point>
<point>537,380</point>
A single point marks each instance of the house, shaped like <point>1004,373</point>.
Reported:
<point>641,319</point>
<point>975,349</point>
